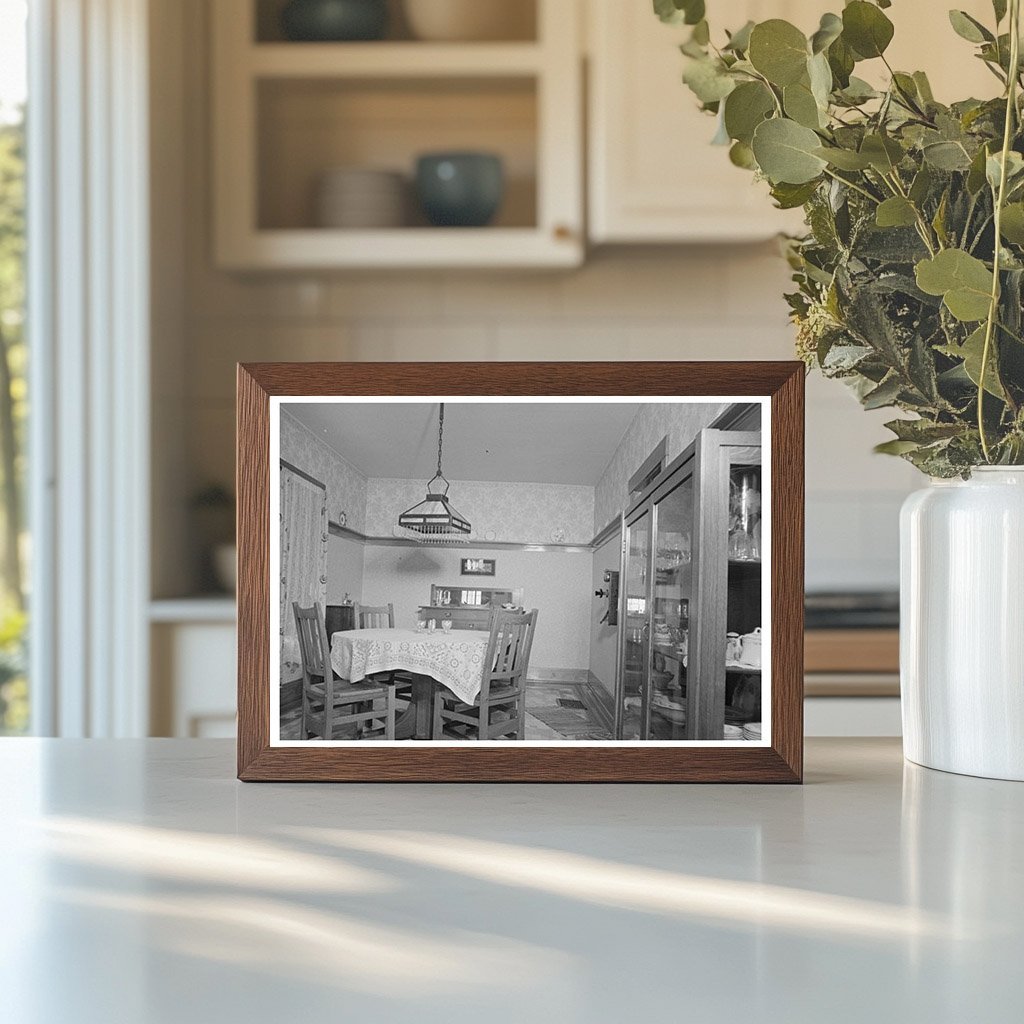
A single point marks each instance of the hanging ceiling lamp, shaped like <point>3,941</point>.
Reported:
<point>434,520</point>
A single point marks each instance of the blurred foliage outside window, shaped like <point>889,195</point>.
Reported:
<point>14,703</point>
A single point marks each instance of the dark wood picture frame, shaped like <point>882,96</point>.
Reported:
<point>782,761</point>
<point>490,567</point>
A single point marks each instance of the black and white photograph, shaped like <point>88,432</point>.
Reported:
<point>620,550</point>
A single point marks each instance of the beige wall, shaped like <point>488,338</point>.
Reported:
<point>705,302</point>
<point>555,583</point>
<point>678,425</point>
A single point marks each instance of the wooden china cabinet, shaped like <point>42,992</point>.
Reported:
<point>691,575</point>
<point>465,607</point>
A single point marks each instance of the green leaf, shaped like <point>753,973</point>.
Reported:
<point>923,431</point>
<point>830,29</point>
<point>745,108</point>
<point>971,352</point>
<point>858,91</point>
<point>676,12</point>
<point>739,41</point>
<point>801,106</point>
<point>921,185</point>
<point>969,28</point>
<point>708,80</point>
<point>885,394</point>
<point>1014,169</point>
<point>785,152</point>
<point>947,156</point>
<point>963,281</point>
<point>820,76</point>
<point>895,447</point>
<point>741,155</point>
<point>844,159</point>
<point>1013,223</point>
<point>779,51</point>
<point>841,60</point>
<point>789,197</point>
<point>866,29</point>
<point>999,7</point>
<point>924,87</point>
<point>883,153</point>
<point>976,174</point>
<point>896,212</point>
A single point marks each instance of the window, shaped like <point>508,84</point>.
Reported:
<point>14,547</point>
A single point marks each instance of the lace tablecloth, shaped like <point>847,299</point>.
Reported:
<point>454,658</point>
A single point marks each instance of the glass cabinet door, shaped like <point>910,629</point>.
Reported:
<point>671,610</point>
<point>725,642</point>
<point>743,593</point>
<point>635,629</point>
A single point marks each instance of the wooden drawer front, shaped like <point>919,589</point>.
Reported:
<point>461,618</point>
<point>852,650</point>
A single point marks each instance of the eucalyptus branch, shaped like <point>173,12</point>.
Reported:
<point>1000,200</point>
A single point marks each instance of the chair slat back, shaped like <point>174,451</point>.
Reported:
<point>313,646</point>
<point>375,616</point>
<point>507,656</point>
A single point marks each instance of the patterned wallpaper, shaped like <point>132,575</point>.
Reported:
<point>521,513</point>
<point>346,486</point>
<point>677,421</point>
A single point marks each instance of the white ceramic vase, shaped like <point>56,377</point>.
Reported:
<point>962,624</point>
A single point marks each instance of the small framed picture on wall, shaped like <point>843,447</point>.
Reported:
<point>478,566</point>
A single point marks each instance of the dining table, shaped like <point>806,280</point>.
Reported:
<point>433,658</point>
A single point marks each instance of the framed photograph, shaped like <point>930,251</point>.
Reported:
<point>647,621</point>
<point>478,566</point>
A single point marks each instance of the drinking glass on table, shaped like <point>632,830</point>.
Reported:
<point>446,625</point>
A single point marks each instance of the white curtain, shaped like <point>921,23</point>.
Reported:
<point>303,558</point>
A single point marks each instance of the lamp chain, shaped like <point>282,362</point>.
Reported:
<point>440,439</point>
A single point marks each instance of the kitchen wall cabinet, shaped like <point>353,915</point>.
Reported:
<point>284,113</point>
<point>687,581</point>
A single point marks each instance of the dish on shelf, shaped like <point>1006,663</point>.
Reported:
<point>741,666</point>
<point>672,710</point>
<point>334,21</point>
<point>733,732</point>
<point>464,21</point>
<point>361,197</point>
<point>752,731</point>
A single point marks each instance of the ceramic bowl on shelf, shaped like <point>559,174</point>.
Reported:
<point>460,189</point>
<point>465,21</point>
<point>334,21</point>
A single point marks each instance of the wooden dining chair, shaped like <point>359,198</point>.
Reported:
<point>327,701</point>
<point>375,616</point>
<point>383,617</point>
<point>500,709</point>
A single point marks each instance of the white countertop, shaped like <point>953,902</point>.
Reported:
<point>142,884</point>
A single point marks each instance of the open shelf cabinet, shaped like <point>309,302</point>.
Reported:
<point>285,113</point>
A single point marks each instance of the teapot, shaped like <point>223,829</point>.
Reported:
<point>750,648</point>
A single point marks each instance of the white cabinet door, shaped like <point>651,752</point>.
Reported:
<point>653,175</point>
